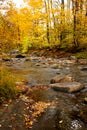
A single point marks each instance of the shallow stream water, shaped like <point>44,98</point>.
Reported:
<point>70,113</point>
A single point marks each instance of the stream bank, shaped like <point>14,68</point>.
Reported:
<point>71,111</point>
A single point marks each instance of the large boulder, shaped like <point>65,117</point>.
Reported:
<point>62,78</point>
<point>67,86</point>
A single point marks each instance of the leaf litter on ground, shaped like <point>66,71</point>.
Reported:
<point>35,109</point>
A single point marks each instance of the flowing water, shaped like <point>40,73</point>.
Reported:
<point>70,114</point>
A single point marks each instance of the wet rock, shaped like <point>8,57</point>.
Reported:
<point>14,51</point>
<point>20,56</point>
<point>50,59</point>
<point>18,60</point>
<point>37,64</point>
<point>84,69</point>
<point>83,114</point>
<point>68,62</point>
<point>62,78</point>
<point>27,59</point>
<point>35,59</point>
<point>54,66</point>
<point>82,61</point>
<point>67,121</point>
<point>15,60</point>
<point>73,57</point>
<point>6,59</point>
<point>67,87</point>
<point>45,66</point>
<point>58,73</point>
<point>76,125</point>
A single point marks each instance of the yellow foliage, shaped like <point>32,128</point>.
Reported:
<point>41,22</point>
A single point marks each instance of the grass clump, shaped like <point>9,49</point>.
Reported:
<point>8,89</point>
<point>81,55</point>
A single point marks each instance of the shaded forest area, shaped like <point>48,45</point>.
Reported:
<point>43,24</point>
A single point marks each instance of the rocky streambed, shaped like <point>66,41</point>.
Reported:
<point>71,111</point>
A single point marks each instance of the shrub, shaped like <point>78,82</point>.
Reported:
<point>81,55</point>
<point>8,89</point>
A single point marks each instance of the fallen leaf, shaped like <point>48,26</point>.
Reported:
<point>60,122</point>
<point>10,101</point>
<point>6,111</point>
<point>13,118</point>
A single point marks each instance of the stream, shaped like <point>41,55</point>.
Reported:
<point>71,111</point>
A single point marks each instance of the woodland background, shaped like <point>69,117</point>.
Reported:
<point>43,24</point>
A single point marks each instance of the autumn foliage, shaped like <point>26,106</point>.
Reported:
<point>43,24</point>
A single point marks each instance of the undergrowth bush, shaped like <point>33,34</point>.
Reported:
<point>8,89</point>
<point>81,55</point>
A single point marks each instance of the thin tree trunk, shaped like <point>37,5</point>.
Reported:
<point>53,21</point>
<point>18,37</point>
<point>68,4</point>
<point>47,24</point>
<point>86,9</point>
<point>61,22</point>
<point>75,9</point>
<point>18,33</point>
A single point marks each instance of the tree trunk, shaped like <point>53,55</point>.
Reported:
<point>47,23</point>
<point>75,9</point>
<point>61,22</point>
<point>54,21</point>
<point>68,4</point>
<point>86,9</point>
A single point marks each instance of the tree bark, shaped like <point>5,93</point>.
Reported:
<point>61,22</point>
<point>86,9</point>
<point>47,23</point>
<point>75,9</point>
<point>68,4</point>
